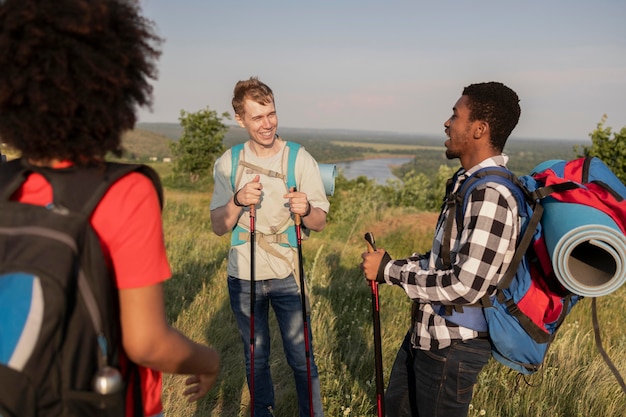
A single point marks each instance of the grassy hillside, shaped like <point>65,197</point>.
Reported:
<point>574,381</point>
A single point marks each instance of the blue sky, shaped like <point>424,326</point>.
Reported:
<point>396,66</point>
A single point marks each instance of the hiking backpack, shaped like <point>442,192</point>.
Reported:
<point>59,315</point>
<point>240,233</point>
<point>531,302</point>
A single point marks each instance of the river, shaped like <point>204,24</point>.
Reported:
<point>377,168</point>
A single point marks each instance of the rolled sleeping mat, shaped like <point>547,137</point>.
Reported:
<point>586,246</point>
<point>328,172</point>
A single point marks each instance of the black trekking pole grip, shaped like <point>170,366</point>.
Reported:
<point>378,358</point>
<point>371,242</point>
<point>252,303</point>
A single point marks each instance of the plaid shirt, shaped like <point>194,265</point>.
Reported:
<point>480,254</point>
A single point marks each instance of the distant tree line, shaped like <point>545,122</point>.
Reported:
<point>205,137</point>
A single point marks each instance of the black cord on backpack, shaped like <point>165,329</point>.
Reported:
<point>605,356</point>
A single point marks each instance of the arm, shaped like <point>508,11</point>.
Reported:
<point>482,253</point>
<point>224,218</point>
<point>315,220</point>
<point>128,222</point>
<point>374,263</point>
<point>150,341</point>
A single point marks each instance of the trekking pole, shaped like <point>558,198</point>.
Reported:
<point>378,358</point>
<point>252,302</point>
<point>307,352</point>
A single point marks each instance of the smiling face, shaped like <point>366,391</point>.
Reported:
<point>261,122</point>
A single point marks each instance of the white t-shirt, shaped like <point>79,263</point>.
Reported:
<point>273,209</point>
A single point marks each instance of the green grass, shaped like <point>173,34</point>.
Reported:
<point>574,382</point>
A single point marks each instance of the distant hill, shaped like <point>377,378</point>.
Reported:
<point>174,130</point>
<point>169,130</point>
<point>141,144</point>
<point>236,134</point>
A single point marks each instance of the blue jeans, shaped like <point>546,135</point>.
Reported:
<point>435,383</point>
<point>284,296</point>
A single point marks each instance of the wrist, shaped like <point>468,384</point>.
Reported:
<point>236,201</point>
<point>308,210</point>
<point>380,278</point>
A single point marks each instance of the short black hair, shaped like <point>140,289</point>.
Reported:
<point>496,104</point>
<point>73,73</point>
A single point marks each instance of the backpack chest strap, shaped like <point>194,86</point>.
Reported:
<point>264,171</point>
<point>243,235</point>
<point>287,237</point>
<point>267,242</point>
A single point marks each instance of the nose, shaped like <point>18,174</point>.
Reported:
<point>267,123</point>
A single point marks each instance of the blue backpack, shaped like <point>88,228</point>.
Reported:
<point>531,300</point>
<point>240,234</point>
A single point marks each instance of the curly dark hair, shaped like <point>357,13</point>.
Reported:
<point>73,73</point>
<point>496,104</point>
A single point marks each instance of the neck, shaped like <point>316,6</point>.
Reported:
<point>271,149</point>
<point>44,162</point>
<point>479,150</point>
<point>472,160</point>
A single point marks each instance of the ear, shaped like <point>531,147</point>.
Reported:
<point>239,120</point>
<point>481,129</point>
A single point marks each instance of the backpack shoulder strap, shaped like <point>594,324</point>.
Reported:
<point>291,164</point>
<point>114,172</point>
<point>499,175</point>
<point>81,188</point>
<point>235,153</point>
<point>75,188</point>
<point>290,180</point>
<point>457,202</point>
<point>12,175</point>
